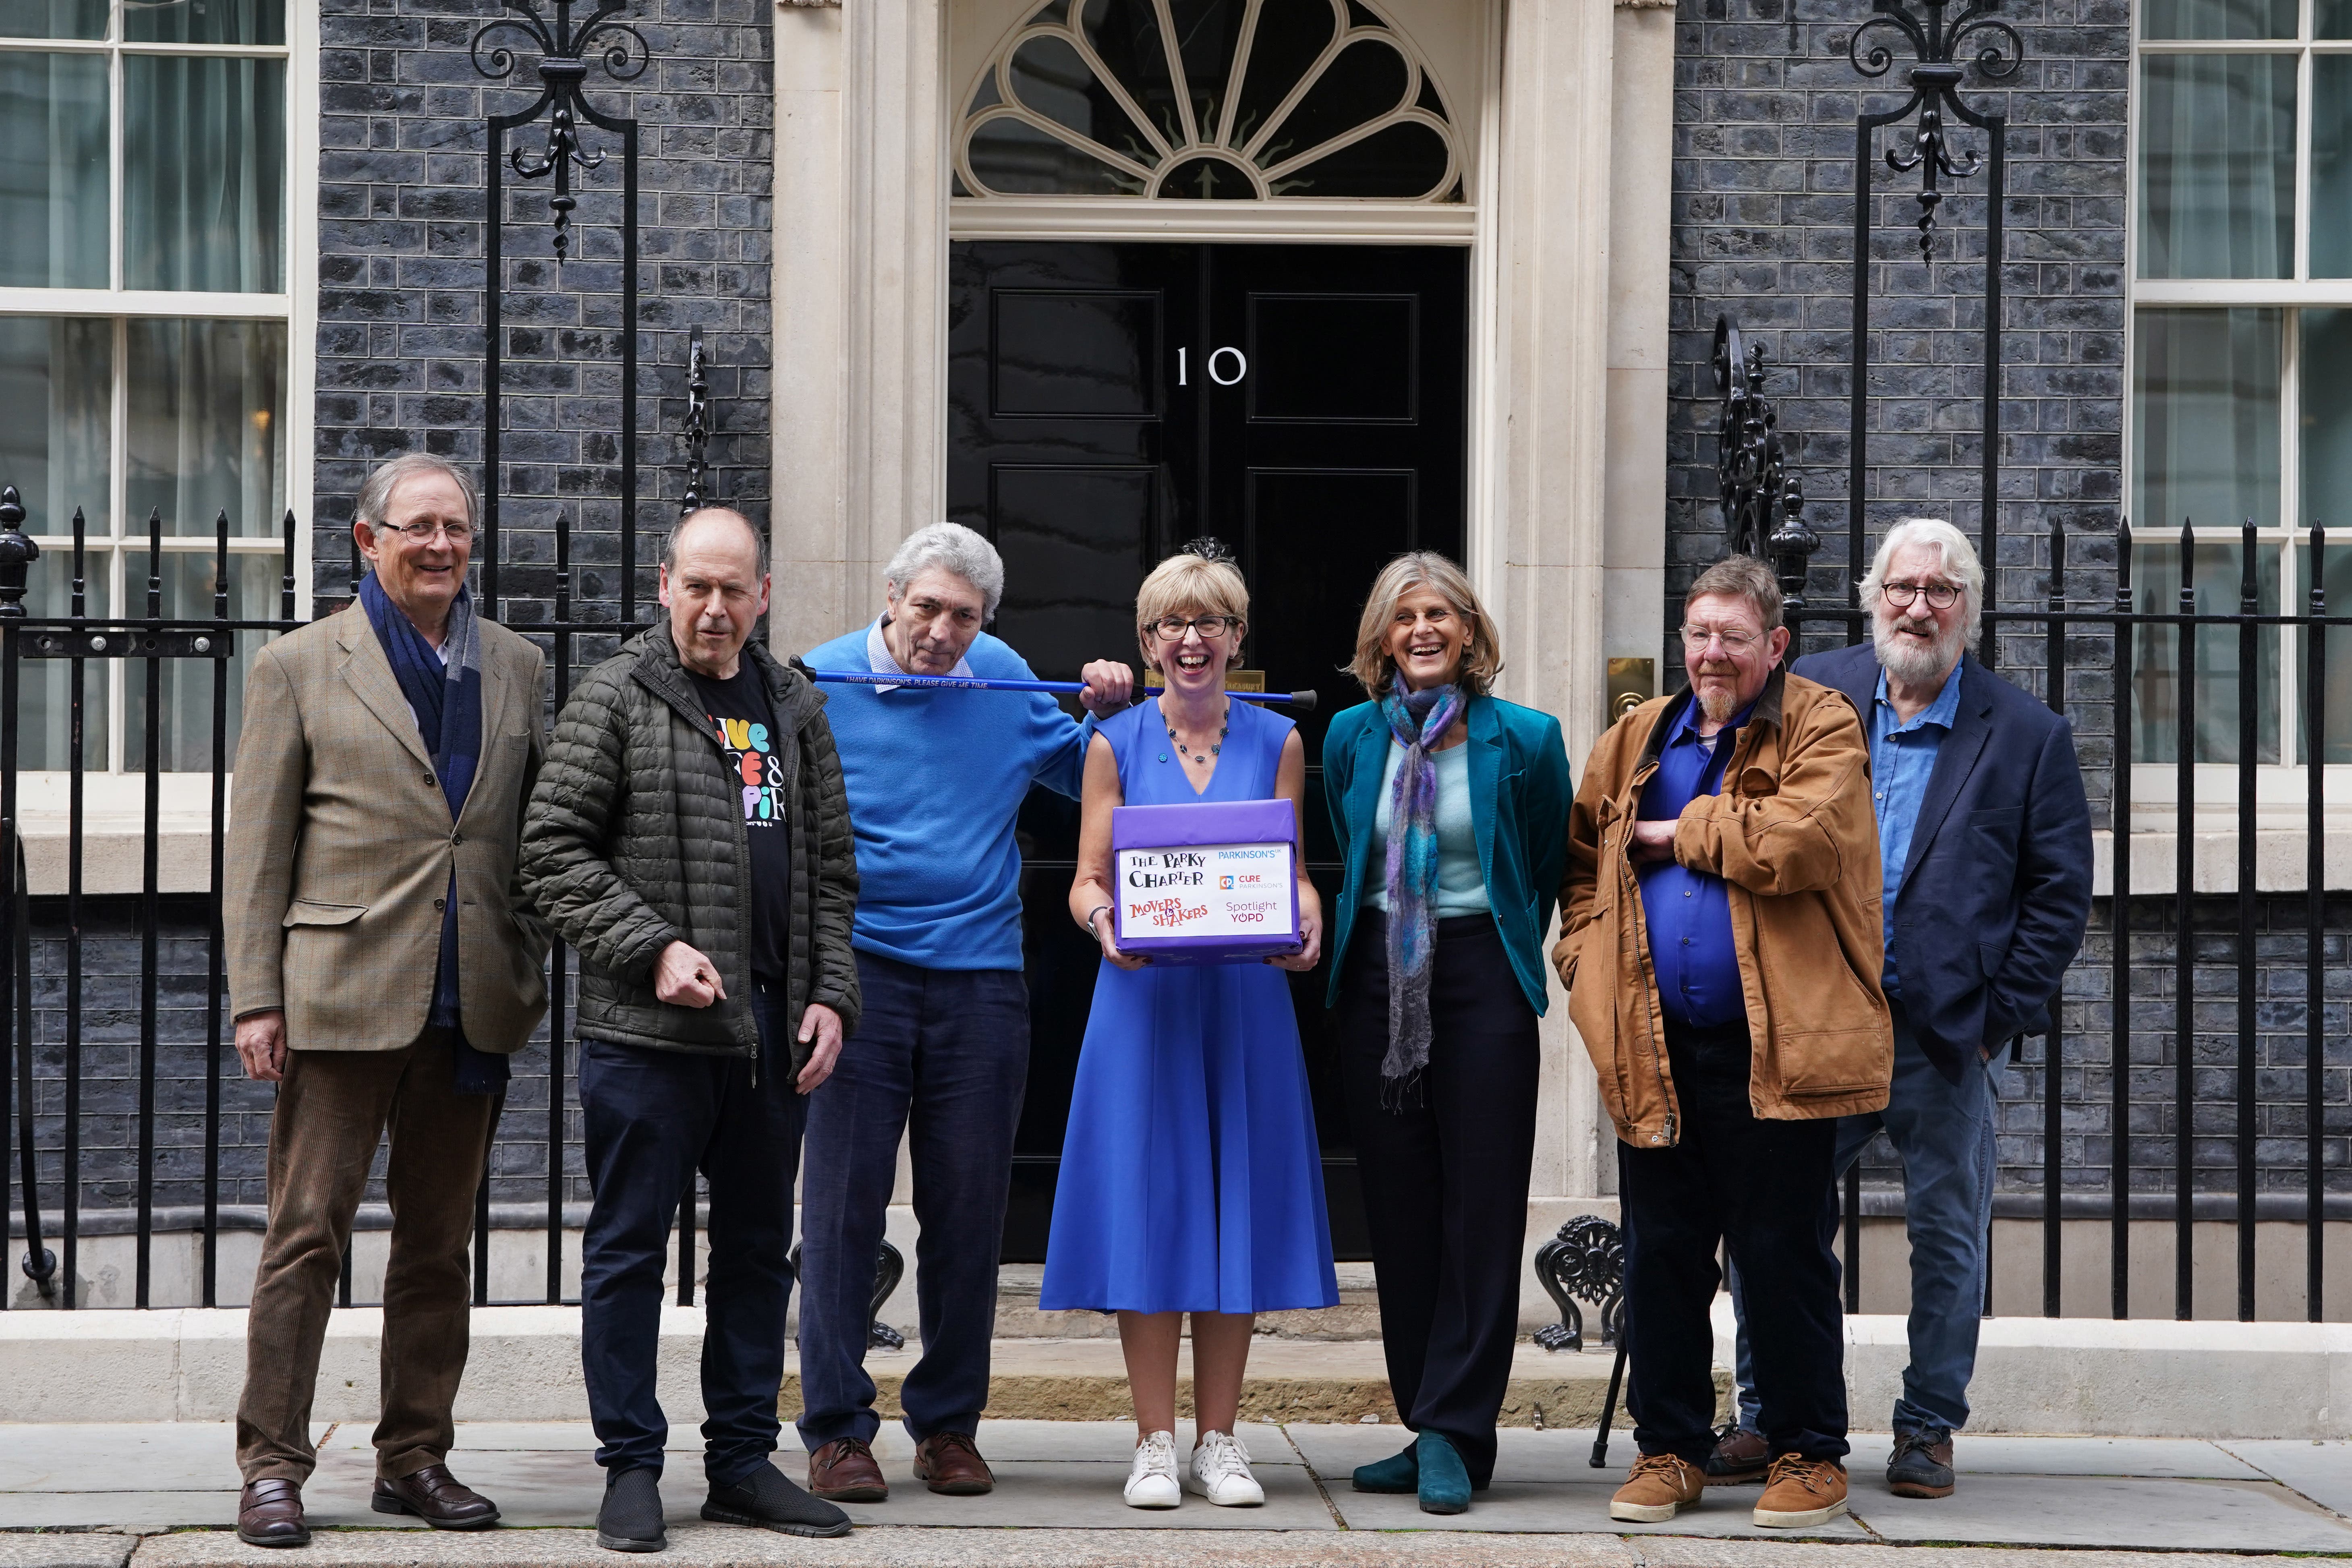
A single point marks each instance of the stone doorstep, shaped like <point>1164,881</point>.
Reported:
<point>1289,1380</point>
<point>2086,1376</point>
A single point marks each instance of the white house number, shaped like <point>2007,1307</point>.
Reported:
<point>1216,359</point>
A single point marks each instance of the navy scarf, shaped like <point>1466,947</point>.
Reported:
<point>446,699</point>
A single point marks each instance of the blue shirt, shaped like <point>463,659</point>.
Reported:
<point>935,780</point>
<point>1687,912</point>
<point>1902,759</point>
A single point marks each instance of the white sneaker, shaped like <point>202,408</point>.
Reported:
<point>1221,1472</point>
<point>1151,1481</point>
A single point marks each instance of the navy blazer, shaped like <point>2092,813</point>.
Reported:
<point>1997,891</point>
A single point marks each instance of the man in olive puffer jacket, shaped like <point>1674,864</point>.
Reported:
<point>689,836</point>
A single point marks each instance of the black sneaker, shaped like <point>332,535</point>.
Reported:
<point>767,1499</point>
<point>1922,1465</point>
<point>630,1519</point>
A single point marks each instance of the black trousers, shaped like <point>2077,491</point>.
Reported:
<point>651,1120</point>
<point>1756,1186</point>
<point>1445,1179</point>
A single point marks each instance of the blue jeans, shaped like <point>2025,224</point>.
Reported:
<point>1944,1135</point>
<point>650,1119</point>
<point>940,1055</point>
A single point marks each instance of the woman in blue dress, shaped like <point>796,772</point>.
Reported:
<point>1191,1179</point>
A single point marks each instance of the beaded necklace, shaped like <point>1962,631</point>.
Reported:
<point>1190,755</point>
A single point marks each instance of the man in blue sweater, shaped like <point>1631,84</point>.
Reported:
<point>935,780</point>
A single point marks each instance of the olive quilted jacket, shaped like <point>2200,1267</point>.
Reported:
<point>635,839</point>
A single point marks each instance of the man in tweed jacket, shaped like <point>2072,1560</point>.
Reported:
<point>690,838</point>
<point>380,971</point>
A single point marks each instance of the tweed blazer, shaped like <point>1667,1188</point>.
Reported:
<point>341,847</point>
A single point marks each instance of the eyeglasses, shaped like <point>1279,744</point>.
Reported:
<point>423,532</point>
<point>1735,643</point>
<point>1940,596</point>
<point>1171,628</point>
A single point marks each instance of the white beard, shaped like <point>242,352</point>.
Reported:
<point>1716,706</point>
<point>1911,661</point>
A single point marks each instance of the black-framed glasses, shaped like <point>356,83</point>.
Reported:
<point>423,532</point>
<point>1171,628</point>
<point>1940,596</point>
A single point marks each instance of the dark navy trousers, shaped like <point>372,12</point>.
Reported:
<point>942,1056</point>
<point>652,1118</point>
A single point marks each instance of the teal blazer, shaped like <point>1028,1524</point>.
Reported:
<point>1520,790</point>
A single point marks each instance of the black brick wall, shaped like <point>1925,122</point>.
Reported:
<point>402,210</point>
<point>110,996</point>
<point>1763,212</point>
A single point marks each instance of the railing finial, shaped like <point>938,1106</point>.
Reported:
<point>17,551</point>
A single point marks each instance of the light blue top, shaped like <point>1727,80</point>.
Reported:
<point>1902,758</point>
<point>1460,886</point>
<point>935,780</point>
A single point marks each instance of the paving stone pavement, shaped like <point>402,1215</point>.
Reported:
<point>162,1496</point>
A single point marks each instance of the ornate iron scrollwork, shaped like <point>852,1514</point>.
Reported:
<point>564,53</point>
<point>1938,45</point>
<point>890,1269</point>
<point>1586,1261</point>
<point>1763,498</point>
<point>697,426</point>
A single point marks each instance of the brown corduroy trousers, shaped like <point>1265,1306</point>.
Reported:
<point>334,1107</point>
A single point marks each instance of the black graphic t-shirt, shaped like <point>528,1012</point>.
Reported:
<point>739,707</point>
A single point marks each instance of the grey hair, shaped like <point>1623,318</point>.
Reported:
<point>948,547</point>
<point>376,494</point>
<point>1956,558</point>
<point>759,539</point>
<point>1739,577</point>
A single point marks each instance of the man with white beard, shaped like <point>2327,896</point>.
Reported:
<point>1985,841</point>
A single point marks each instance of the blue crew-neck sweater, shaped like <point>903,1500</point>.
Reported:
<point>935,780</point>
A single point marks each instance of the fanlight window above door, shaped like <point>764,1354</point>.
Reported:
<point>1208,99</point>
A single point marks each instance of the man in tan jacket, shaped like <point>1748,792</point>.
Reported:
<point>1721,943</point>
<point>382,970</point>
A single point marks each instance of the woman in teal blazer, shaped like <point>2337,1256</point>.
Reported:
<point>1451,808</point>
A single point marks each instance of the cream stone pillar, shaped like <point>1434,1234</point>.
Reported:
<point>1640,216</point>
<point>860,290</point>
<point>1548,455</point>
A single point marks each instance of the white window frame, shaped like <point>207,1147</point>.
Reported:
<point>2281,787</point>
<point>114,794</point>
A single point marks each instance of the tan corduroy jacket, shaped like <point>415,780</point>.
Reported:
<point>341,847</point>
<point>1796,842</point>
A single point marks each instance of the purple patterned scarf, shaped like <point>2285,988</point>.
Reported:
<point>1418,719</point>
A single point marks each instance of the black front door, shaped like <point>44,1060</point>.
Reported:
<point>1107,403</point>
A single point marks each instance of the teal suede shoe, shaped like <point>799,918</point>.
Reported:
<point>1399,1474</point>
<point>1444,1483</point>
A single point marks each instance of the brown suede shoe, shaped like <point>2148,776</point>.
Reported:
<point>1659,1486</point>
<point>1739,1456</point>
<point>844,1471</point>
<point>437,1498</point>
<point>269,1513</point>
<point>1800,1492</point>
<point>951,1464</point>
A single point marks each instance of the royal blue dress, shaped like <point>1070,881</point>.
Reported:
<point>1191,1179</point>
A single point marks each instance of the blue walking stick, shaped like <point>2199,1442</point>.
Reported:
<point>1302,700</point>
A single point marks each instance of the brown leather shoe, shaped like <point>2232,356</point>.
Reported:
<point>437,1498</point>
<point>269,1513</point>
<point>844,1471</point>
<point>951,1464</point>
<point>1739,1456</point>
